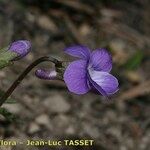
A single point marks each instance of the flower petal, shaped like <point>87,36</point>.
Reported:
<point>75,77</point>
<point>79,51</point>
<point>105,80</point>
<point>97,87</point>
<point>101,60</point>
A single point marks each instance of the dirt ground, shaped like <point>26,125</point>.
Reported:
<point>46,109</point>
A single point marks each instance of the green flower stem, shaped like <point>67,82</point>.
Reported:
<point>6,58</point>
<point>25,72</point>
<point>3,50</point>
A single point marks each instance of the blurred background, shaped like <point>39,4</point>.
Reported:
<point>46,109</point>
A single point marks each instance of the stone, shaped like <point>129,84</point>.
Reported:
<point>61,123</point>
<point>57,104</point>
<point>43,119</point>
<point>91,130</point>
<point>47,23</point>
<point>33,127</point>
<point>13,108</point>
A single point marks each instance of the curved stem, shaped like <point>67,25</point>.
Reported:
<point>24,73</point>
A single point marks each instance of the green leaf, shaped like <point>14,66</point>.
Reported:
<point>134,61</point>
<point>8,115</point>
<point>10,101</point>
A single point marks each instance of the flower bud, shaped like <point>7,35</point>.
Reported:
<point>13,52</point>
<point>46,74</point>
<point>21,48</point>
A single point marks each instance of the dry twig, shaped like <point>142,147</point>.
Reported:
<point>139,90</point>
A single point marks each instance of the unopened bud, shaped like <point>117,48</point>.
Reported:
<point>21,48</point>
<point>46,74</point>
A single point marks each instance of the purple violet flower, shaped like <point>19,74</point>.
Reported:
<point>90,72</point>
<point>46,74</point>
<point>21,47</point>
